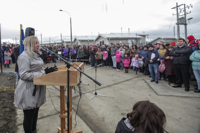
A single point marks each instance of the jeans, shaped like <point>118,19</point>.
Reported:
<point>114,61</point>
<point>92,63</point>
<point>153,69</point>
<point>54,59</point>
<point>146,70</point>
<point>136,69</point>
<point>30,120</point>
<point>197,76</point>
<point>122,65</point>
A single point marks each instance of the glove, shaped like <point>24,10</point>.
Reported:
<point>51,69</point>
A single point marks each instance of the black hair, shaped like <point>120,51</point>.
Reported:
<point>182,40</point>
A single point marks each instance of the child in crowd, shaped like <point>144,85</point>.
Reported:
<point>135,63</point>
<point>126,62</point>
<point>118,60</point>
<point>7,58</point>
<point>122,51</point>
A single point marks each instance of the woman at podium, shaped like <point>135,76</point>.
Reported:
<point>30,66</point>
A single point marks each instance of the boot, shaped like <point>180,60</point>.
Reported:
<point>187,88</point>
<point>8,65</point>
<point>34,131</point>
<point>4,65</point>
<point>127,70</point>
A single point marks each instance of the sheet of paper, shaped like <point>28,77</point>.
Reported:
<point>152,56</point>
<point>59,52</point>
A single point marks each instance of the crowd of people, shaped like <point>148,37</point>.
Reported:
<point>176,64</point>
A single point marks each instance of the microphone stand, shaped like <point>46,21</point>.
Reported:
<point>95,92</point>
<point>68,66</point>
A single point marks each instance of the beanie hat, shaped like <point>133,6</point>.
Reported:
<point>173,44</point>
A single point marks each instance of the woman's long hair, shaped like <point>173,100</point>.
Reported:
<point>29,43</point>
<point>146,117</point>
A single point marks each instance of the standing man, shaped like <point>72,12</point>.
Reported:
<point>113,54</point>
<point>181,62</point>
<point>81,53</point>
<point>152,59</point>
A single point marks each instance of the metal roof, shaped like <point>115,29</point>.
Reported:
<point>85,38</point>
<point>163,38</point>
<point>119,36</point>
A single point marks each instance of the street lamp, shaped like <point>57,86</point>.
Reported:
<point>70,24</point>
<point>41,35</point>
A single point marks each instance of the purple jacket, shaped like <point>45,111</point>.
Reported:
<point>73,52</point>
<point>135,63</point>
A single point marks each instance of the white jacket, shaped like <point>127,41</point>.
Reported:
<point>28,70</point>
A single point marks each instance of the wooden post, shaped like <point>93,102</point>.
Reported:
<point>62,108</point>
<point>70,110</point>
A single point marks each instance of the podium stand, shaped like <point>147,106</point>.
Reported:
<point>59,78</point>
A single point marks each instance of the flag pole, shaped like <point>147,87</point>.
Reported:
<point>20,34</point>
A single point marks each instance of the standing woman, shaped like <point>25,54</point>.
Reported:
<point>169,70</point>
<point>162,51</point>
<point>30,66</point>
<point>195,58</point>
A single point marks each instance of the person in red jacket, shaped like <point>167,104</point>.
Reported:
<point>193,43</point>
<point>126,62</point>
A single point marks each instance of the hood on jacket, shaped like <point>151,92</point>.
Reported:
<point>191,38</point>
<point>173,44</point>
<point>117,51</point>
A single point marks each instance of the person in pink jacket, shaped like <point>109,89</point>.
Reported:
<point>135,63</point>
<point>118,60</point>
<point>126,61</point>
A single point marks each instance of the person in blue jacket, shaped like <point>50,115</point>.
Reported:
<point>143,54</point>
<point>152,59</point>
<point>195,58</point>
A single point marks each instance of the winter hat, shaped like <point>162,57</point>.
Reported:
<point>150,45</point>
<point>173,44</point>
<point>155,46</point>
<point>167,44</point>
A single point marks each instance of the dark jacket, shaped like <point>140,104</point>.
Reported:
<point>16,54</point>
<point>92,55</point>
<point>169,70</point>
<point>181,55</point>
<point>148,56</point>
<point>81,53</point>
<point>122,128</point>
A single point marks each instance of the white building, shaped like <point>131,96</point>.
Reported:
<point>121,38</point>
<point>84,40</point>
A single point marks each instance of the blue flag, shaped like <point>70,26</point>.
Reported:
<point>21,42</point>
<point>21,46</point>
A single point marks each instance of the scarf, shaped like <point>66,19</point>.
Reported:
<point>162,52</point>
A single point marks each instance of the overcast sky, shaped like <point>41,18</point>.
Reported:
<point>90,17</point>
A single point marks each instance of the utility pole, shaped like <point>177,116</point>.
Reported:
<point>174,31</point>
<point>182,20</point>
<point>61,37</point>
<point>185,22</point>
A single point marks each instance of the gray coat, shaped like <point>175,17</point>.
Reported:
<point>7,56</point>
<point>113,51</point>
<point>29,69</point>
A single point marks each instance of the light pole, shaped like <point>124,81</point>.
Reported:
<point>41,35</point>
<point>70,24</point>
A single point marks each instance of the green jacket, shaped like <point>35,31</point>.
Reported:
<point>81,53</point>
<point>195,58</point>
<point>99,55</point>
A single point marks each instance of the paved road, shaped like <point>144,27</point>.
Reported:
<point>101,114</point>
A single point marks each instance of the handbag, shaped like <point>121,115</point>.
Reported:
<point>162,67</point>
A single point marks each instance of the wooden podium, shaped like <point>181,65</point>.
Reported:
<point>59,78</point>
